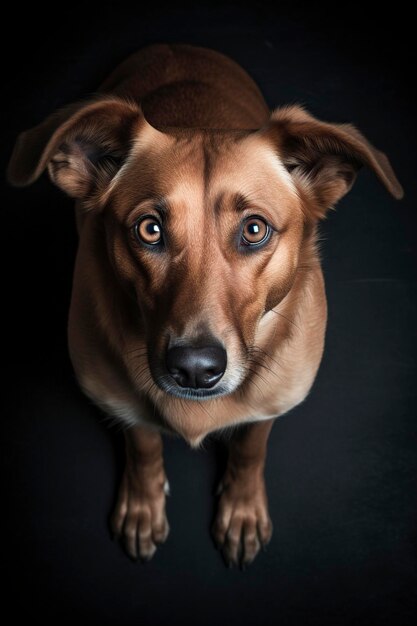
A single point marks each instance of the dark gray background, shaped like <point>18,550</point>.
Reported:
<point>341,470</point>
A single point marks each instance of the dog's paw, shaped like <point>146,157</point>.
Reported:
<point>242,525</point>
<point>139,518</point>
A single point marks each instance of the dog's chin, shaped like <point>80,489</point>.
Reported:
<point>170,387</point>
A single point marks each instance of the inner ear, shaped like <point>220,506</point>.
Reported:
<point>324,158</point>
<point>311,155</point>
<point>80,166</point>
<point>327,177</point>
<point>94,153</point>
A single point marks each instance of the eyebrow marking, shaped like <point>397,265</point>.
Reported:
<point>238,201</point>
<point>241,202</point>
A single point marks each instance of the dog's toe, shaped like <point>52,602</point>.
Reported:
<point>139,519</point>
<point>242,524</point>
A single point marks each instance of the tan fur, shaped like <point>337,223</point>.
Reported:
<point>187,127</point>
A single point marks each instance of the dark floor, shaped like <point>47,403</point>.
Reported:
<point>341,469</point>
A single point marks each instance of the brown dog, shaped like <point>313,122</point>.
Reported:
<point>198,299</point>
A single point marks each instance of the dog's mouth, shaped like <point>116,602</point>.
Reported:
<point>169,386</point>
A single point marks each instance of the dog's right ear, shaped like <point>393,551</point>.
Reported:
<point>83,146</point>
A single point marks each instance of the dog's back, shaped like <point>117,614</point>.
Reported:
<point>189,86</point>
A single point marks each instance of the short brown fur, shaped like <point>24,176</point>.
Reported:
<point>183,134</point>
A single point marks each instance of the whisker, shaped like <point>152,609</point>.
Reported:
<point>260,362</point>
<point>255,347</point>
<point>253,382</point>
<point>286,318</point>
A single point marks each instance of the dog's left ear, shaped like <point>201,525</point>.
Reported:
<point>324,158</point>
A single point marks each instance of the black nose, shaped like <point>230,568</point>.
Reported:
<point>199,367</point>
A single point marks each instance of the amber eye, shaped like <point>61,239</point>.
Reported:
<point>255,231</point>
<point>148,230</point>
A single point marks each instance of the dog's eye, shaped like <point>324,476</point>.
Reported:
<point>148,230</point>
<point>255,231</point>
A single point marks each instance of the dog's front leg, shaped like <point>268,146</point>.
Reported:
<point>139,518</point>
<point>242,523</point>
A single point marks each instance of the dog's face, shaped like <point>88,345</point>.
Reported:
<point>206,229</point>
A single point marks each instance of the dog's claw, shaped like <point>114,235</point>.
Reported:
<point>145,559</point>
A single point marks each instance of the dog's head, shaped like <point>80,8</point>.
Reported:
<point>206,229</point>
